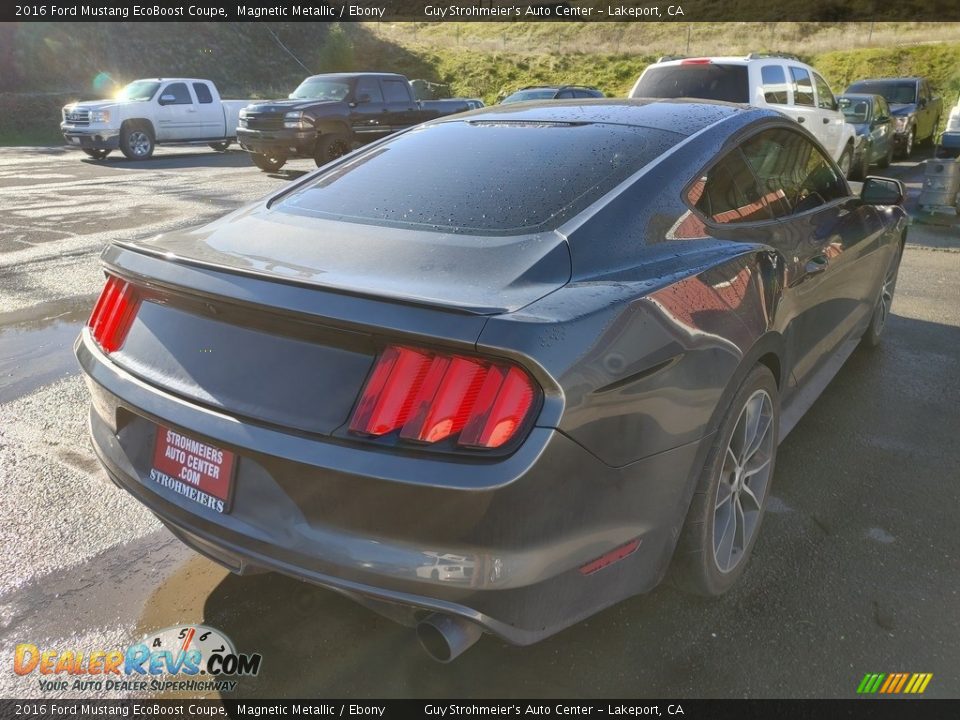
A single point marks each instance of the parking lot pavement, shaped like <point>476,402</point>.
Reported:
<point>855,571</point>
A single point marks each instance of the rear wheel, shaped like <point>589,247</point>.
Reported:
<point>881,311</point>
<point>331,147</point>
<point>885,161</point>
<point>908,144</point>
<point>220,146</point>
<point>136,141</point>
<point>846,161</point>
<point>97,154</point>
<point>860,169</point>
<point>723,522</point>
<point>268,163</point>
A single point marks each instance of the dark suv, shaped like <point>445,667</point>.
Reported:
<point>552,92</point>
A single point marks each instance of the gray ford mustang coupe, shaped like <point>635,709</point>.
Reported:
<point>501,370</point>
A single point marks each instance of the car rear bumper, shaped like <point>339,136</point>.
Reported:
<point>102,139</point>
<point>509,540</point>
<point>285,143</point>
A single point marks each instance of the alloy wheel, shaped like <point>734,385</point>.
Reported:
<point>744,479</point>
<point>139,143</point>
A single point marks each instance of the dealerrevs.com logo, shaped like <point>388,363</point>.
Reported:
<point>190,658</point>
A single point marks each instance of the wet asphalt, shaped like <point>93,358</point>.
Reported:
<point>857,569</point>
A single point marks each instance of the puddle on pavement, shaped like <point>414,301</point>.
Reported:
<point>36,344</point>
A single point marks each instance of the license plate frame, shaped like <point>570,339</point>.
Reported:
<point>198,471</point>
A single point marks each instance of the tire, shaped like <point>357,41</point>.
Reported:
<point>845,163</point>
<point>702,563</point>
<point>885,161</point>
<point>908,144</point>
<point>859,170</point>
<point>136,141</point>
<point>330,147</point>
<point>268,163</point>
<point>881,311</point>
<point>97,154</point>
<point>220,146</point>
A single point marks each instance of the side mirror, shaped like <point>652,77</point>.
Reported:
<point>922,103</point>
<point>168,99</point>
<point>882,191</point>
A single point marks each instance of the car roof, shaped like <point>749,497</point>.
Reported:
<point>729,60</point>
<point>347,75</point>
<point>887,79</point>
<point>680,115</point>
<point>556,87</point>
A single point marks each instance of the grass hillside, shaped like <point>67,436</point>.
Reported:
<point>48,64</point>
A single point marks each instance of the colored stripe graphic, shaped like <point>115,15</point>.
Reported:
<point>894,683</point>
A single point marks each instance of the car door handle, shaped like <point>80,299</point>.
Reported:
<point>801,119</point>
<point>816,265</point>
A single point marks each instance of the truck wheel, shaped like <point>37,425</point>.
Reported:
<point>136,141</point>
<point>97,154</point>
<point>268,163</point>
<point>220,146</point>
<point>330,147</point>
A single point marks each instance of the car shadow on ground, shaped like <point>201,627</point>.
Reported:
<point>174,160</point>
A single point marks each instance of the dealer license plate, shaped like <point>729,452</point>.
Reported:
<point>198,471</point>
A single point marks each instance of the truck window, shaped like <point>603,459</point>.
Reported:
<point>825,98</point>
<point>181,96</point>
<point>395,91</point>
<point>802,87</point>
<point>203,93</point>
<point>774,81</point>
<point>706,81</point>
<point>369,86</point>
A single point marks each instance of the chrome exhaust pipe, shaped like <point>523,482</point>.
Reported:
<point>446,637</point>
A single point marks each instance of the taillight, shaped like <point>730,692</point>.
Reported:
<point>113,314</point>
<point>430,396</point>
<point>696,61</point>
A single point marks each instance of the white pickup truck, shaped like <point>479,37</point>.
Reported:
<point>150,112</point>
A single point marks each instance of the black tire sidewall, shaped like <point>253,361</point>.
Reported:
<point>324,143</point>
<point>694,567</point>
<point>267,163</point>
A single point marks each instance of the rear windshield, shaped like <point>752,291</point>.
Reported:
<point>900,93</point>
<point>481,177</point>
<point>707,81</point>
<point>537,94</point>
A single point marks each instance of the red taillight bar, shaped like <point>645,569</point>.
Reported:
<point>696,61</point>
<point>113,314</point>
<point>430,396</point>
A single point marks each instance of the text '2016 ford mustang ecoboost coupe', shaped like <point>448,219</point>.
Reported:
<point>499,371</point>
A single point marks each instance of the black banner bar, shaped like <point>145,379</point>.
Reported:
<point>481,11</point>
<point>866,708</point>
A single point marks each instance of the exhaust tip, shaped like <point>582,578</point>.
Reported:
<point>445,638</point>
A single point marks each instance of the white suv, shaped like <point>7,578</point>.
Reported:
<point>779,82</point>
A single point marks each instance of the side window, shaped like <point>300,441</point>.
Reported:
<point>371,87</point>
<point>825,98</point>
<point>564,94</point>
<point>395,91</point>
<point>180,93</point>
<point>583,94</point>
<point>203,93</point>
<point>802,87</point>
<point>728,193</point>
<point>794,175</point>
<point>774,81</point>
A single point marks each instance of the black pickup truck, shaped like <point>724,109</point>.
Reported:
<point>329,115</point>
